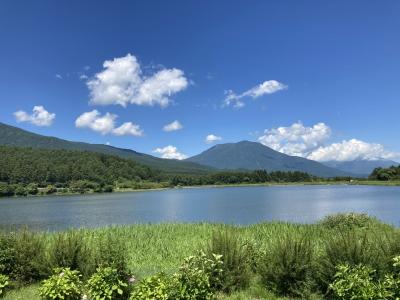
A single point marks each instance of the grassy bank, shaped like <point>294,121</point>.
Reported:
<point>149,249</point>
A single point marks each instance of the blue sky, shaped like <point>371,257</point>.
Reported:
<point>330,71</point>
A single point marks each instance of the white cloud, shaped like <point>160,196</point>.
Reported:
<point>310,142</point>
<point>170,152</point>
<point>267,87</point>
<point>296,139</point>
<point>106,124</point>
<point>58,76</point>
<point>40,116</point>
<point>128,128</point>
<point>211,138</point>
<point>352,150</point>
<point>122,82</point>
<point>175,125</point>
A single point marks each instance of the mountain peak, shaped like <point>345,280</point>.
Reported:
<point>250,155</point>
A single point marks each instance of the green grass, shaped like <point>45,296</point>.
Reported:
<point>152,248</point>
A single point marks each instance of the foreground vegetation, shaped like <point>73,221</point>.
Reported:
<point>340,256</point>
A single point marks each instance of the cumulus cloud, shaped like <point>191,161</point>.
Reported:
<point>211,138</point>
<point>175,125</point>
<point>106,124</point>
<point>311,143</point>
<point>39,117</point>
<point>352,150</point>
<point>170,152</point>
<point>58,76</point>
<point>296,139</point>
<point>265,88</point>
<point>122,82</point>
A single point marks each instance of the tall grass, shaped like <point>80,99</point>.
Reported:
<point>298,258</point>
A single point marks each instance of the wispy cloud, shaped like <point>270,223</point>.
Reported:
<point>267,87</point>
<point>173,126</point>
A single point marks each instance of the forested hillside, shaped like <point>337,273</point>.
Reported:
<point>13,136</point>
<point>23,170</point>
<point>31,171</point>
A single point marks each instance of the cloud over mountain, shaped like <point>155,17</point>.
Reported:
<point>39,117</point>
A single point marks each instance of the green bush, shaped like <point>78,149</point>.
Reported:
<point>392,281</point>
<point>235,268</point>
<point>69,250</point>
<point>347,247</point>
<point>199,276</point>
<point>7,254</point>
<point>63,284</point>
<point>287,267</point>
<point>112,252</point>
<point>358,283</point>
<point>348,221</point>
<point>28,259</point>
<point>106,283</point>
<point>4,282</point>
<point>156,287</point>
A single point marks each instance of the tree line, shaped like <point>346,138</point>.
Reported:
<point>386,174</point>
<point>29,171</point>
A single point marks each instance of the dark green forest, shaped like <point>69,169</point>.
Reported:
<point>386,174</point>
<point>29,171</point>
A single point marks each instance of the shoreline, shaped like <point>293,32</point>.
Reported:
<point>356,182</point>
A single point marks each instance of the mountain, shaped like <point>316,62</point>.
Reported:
<point>251,156</point>
<point>13,136</point>
<point>362,167</point>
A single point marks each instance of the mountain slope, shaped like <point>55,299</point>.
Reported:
<point>251,156</point>
<point>362,167</point>
<point>13,136</point>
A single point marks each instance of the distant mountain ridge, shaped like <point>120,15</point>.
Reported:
<point>252,155</point>
<point>362,167</point>
<point>14,136</point>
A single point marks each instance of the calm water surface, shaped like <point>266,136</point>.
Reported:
<point>233,205</point>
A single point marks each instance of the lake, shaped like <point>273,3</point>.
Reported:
<point>232,205</point>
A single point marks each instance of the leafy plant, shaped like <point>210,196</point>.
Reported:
<point>106,283</point>
<point>4,282</point>
<point>199,276</point>
<point>63,284</point>
<point>235,267</point>
<point>357,282</point>
<point>156,287</point>
<point>287,267</point>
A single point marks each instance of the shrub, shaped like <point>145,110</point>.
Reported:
<point>156,287</point>
<point>235,267</point>
<point>348,221</point>
<point>392,281</point>
<point>287,267</point>
<point>64,284</point>
<point>348,247</point>
<point>199,276</point>
<point>69,250</point>
<point>357,282</point>
<point>112,252</point>
<point>28,249</point>
<point>3,284</point>
<point>7,254</point>
<point>106,283</point>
